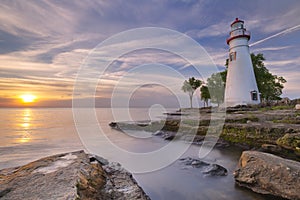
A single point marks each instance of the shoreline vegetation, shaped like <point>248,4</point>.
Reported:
<point>270,135</point>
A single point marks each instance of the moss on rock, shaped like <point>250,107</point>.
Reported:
<point>254,136</point>
<point>290,141</point>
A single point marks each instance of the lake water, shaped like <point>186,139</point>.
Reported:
<point>28,134</point>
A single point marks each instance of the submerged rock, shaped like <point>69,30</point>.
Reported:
<point>215,170</point>
<point>205,168</point>
<point>269,174</point>
<point>166,135</point>
<point>170,136</point>
<point>159,133</point>
<point>75,175</point>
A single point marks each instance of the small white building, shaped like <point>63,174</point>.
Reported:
<point>241,87</point>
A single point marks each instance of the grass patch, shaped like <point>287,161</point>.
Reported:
<point>284,107</point>
<point>191,122</point>
<point>286,121</point>
<point>243,120</point>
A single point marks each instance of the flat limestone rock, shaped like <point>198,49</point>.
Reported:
<point>75,175</point>
<point>269,174</point>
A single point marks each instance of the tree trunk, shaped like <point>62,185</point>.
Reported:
<point>191,100</point>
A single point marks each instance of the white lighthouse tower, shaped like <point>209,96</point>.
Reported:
<point>241,87</point>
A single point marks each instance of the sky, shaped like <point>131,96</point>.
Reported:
<point>44,44</point>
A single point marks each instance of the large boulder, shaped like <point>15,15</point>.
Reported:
<point>269,174</point>
<point>75,175</point>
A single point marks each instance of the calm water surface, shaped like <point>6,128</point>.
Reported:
<point>29,134</point>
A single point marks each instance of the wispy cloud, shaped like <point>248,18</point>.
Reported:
<point>210,31</point>
<point>278,48</point>
<point>286,31</point>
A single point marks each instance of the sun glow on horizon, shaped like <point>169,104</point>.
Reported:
<point>28,98</point>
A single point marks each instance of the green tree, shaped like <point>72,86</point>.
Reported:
<point>190,86</point>
<point>270,86</point>
<point>205,95</point>
<point>216,86</point>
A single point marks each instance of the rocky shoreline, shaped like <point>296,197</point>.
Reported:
<point>273,131</point>
<point>267,131</point>
<point>74,175</point>
<point>77,175</point>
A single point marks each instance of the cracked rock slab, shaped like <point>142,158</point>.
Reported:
<point>74,175</point>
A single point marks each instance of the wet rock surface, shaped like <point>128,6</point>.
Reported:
<point>204,167</point>
<point>269,174</point>
<point>75,175</point>
<point>121,184</point>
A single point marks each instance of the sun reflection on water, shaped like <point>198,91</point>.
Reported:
<point>26,118</point>
<point>24,138</point>
<point>25,124</point>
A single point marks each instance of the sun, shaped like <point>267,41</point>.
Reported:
<point>28,98</point>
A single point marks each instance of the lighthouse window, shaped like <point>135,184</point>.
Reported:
<point>235,26</point>
<point>232,56</point>
<point>254,95</point>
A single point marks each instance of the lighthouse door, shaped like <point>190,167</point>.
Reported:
<point>254,95</point>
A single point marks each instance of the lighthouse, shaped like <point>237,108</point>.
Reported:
<point>241,87</point>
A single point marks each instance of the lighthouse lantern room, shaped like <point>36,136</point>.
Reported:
<point>241,87</point>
